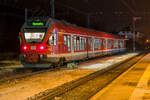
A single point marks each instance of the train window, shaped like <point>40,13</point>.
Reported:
<point>85,41</point>
<point>69,46</point>
<point>53,40</point>
<point>121,43</point>
<point>65,40</point>
<point>109,43</point>
<point>97,44</point>
<point>90,42</point>
<point>104,43</point>
<point>114,41</point>
<point>75,43</point>
<point>100,43</point>
<point>116,44</point>
<point>78,44</point>
<point>34,35</point>
<point>81,43</point>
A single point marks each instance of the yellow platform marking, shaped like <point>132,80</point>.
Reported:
<point>140,89</point>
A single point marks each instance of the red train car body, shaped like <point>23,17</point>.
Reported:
<point>50,40</point>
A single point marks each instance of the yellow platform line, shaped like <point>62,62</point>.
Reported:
<point>140,89</point>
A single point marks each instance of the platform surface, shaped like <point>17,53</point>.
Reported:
<point>134,84</point>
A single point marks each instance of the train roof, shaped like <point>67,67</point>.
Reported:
<point>67,27</point>
<point>73,27</point>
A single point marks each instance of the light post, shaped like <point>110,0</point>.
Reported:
<point>134,30</point>
<point>134,20</point>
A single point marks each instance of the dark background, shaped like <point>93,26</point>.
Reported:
<point>105,15</point>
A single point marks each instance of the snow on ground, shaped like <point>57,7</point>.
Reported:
<point>110,62</point>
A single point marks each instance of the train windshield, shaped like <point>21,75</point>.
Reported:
<point>34,35</point>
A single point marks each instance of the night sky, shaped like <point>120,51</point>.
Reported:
<point>105,15</point>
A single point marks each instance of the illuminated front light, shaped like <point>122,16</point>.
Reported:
<point>42,47</point>
<point>25,47</point>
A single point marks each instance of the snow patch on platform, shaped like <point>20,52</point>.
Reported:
<point>110,62</point>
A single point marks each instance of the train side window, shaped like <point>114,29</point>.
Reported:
<point>97,44</point>
<point>75,43</point>
<point>114,41</point>
<point>100,43</point>
<point>69,42</point>
<point>51,40</point>
<point>85,41</point>
<point>78,44</point>
<point>109,43</point>
<point>116,44</point>
<point>81,43</point>
<point>104,43</point>
<point>65,40</point>
<point>90,42</point>
<point>55,39</point>
<point>121,43</point>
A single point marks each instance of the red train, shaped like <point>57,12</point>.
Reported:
<point>50,40</point>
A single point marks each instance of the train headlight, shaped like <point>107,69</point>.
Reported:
<point>41,47</point>
<point>24,47</point>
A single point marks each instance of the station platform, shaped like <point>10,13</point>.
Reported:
<point>134,84</point>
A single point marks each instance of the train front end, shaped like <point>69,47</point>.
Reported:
<point>32,35</point>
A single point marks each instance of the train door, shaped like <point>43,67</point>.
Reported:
<point>67,43</point>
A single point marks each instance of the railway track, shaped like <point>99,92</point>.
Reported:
<point>24,72</point>
<point>79,87</point>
